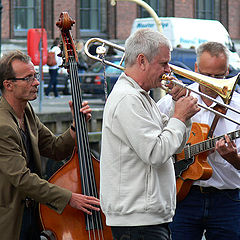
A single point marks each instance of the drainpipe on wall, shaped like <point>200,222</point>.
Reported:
<point>157,93</point>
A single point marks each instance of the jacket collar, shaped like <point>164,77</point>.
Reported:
<point>4,103</point>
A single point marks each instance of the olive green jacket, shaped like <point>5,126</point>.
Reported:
<point>16,180</point>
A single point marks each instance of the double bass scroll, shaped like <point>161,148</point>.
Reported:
<point>81,174</point>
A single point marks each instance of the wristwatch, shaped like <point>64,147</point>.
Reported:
<point>73,128</point>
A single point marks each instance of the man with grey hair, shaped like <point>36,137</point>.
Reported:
<point>137,182</point>
<point>212,205</point>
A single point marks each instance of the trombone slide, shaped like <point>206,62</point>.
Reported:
<point>223,87</point>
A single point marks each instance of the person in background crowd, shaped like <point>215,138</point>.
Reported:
<point>82,64</point>
<point>23,138</point>
<point>53,70</point>
<point>212,206</point>
<point>137,181</point>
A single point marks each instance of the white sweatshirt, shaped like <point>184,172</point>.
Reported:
<point>137,180</point>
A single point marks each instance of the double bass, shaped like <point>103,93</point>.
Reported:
<point>81,173</point>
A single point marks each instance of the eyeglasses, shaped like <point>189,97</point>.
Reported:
<point>28,78</point>
<point>222,76</point>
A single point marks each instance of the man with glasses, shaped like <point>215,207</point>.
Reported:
<point>212,205</point>
<point>23,138</point>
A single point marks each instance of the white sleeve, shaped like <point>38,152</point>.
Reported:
<point>152,143</point>
<point>58,59</point>
<point>166,105</point>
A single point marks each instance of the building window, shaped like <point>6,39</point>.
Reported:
<point>207,9</point>
<point>25,16</point>
<point>159,6</point>
<point>90,19</point>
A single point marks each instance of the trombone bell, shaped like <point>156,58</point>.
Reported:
<point>223,87</point>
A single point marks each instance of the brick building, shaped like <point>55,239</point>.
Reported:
<point>98,18</point>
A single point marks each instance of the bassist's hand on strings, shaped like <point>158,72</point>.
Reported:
<point>84,203</point>
<point>79,201</point>
<point>85,110</point>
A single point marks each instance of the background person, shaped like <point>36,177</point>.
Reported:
<point>82,62</point>
<point>82,57</point>
<point>137,182</point>
<point>53,70</point>
<point>212,205</point>
<point>23,138</point>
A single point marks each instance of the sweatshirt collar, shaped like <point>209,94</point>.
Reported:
<point>137,87</point>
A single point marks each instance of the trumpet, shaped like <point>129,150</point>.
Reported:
<point>223,87</point>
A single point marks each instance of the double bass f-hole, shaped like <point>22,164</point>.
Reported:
<point>81,174</point>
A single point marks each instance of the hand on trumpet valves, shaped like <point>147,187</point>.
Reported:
<point>173,89</point>
<point>185,108</point>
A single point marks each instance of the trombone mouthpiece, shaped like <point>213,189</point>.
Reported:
<point>164,77</point>
<point>164,82</point>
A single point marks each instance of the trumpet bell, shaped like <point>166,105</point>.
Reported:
<point>223,87</point>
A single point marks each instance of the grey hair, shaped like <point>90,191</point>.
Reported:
<point>214,49</point>
<point>145,41</point>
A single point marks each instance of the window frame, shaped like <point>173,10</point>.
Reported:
<point>23,31</point>
<point>90,32</point>
<point>206,13</point>
<point>160,11</point>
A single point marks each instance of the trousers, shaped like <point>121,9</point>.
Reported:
<point>150,232</point>
<point>30,226</point>
<point>53,82</point>
<point>215,214</point>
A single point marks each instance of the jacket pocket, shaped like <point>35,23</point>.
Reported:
<point>148,188</point>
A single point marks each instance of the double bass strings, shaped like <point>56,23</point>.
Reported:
<point>86,166</point>
<point>79,124</point>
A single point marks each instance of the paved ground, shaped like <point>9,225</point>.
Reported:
<point>53,105</point>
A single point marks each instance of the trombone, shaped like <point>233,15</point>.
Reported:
<point>223,87</point>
